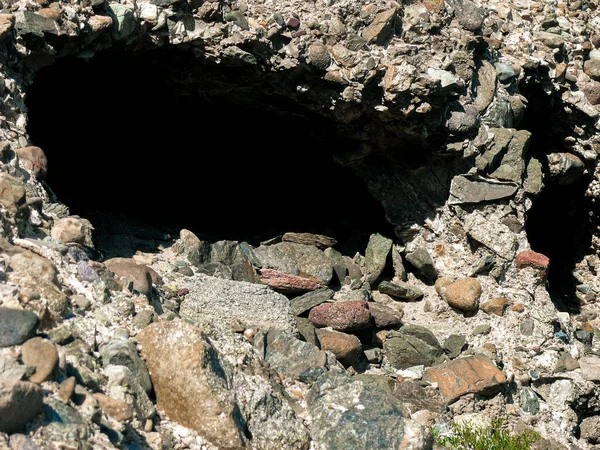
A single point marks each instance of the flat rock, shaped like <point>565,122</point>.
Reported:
<point>471,375</point>
<point>308,332</point>
<point>400,290</point>
<point>350,414</point>
<point>551,40</point>
<point>41,354</point>
<point>341,316</point>
<point>376,256</point>
<point>384,316</point>
<point>306,302</point>
<point>288,284</point>
<point>16,326</point>
<point>412,345</point>
<point>346,347</point>
<point>221,301</point>
<point>465,189</point>
<point>20,401</point>
<point>382,27</point>
<point>189,384</point>
<point>30,265</point>
<point>318,240</point>
<point>310,261</point>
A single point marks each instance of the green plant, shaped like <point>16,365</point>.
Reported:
<point>465,436</point>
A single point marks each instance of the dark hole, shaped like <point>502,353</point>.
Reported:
<point>161,138</point>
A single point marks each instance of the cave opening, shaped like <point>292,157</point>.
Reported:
<point>160,138</point>
<point>558,223</point>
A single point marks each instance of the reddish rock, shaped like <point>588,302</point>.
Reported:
<point>341,316</point>
<point>288,284</point>
<point>34,159</point>
<point>532,259</point>
<point>66,389</point>
<point>471,375</point>
<point>345,347</point>
<point>116,409</point>
<point>496,306</point>
<point>41,354</point>
<point>518,308</point>
<point>384,316</point>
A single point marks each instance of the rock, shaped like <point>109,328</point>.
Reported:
<point>496,306</point>
<point>590,367</point>
<point>346,347</point>
<point>236,258</point>
<point>318,240</point>
<point>471,375</point>
<point>139,274</point>
<point>238,18</point>
<point>192,248</point>
<point>27,22</point>
<point>273,257</point>
<point>416,397</point>
<point>483,329</point>
<point>590,429</point>
<point>289,284</point>
<point>338,264</point>
<point>484,85</point>
<point>319,57</point>
<point>124,386</point>
<point>465,189</point>
<point>20,401</point>
<point>12,370</point>
<point>34,160</point>
<point>591,91</point>
<point>422,261</point>
<point>221,301</point>
<point>526,327</point>
<point>463,294</point>
<point>468,15</point>
<point>82,365</point>
<point>384,317</point>
<point>28,264</point>
<point>495,236</point>
<point>341,316</point>
<point>592,68</point>
<point>352,414</point>
<point>123,20</point>
<point>551,40</point>
<point>565,168</point>
<point>119,352</point>
<point>41,354</point>
<point>382,27</point>
<point>66,389</point>
<point>376,256</point>
<point>412,345</point>
<point>296,359</point>
<point>308,332</point>
<point>532,259</point>
<point>12,195</point>
<point>453,345</point>
<point>400,290</point>
<point>512,164</point>
<point>189,383</point>
<point>461,119</point>
<point>16,326</point>
<point>529,401</point>
<point>534,182</point>
<point>398,263</point>
<point>306,302</point>
<point>310,261</point>
<point>116,409</point>
<point>6,25</point>
<point>504,72</point>
<point>565,363</point>
<point>69,230</point>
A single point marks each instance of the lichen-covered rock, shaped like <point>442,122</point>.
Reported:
<point>376,256</point>
<point>412,345</point>
<point>294,358</point>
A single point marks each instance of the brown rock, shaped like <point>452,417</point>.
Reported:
<point>20,401</point>
<point>341,316</point>
<point>49,13</point>
<point>66,389</point>
<point>34,159</point>
<point>345,347</point>
<point>100,23</point>
<point>471,375</point>
<point>381,28</point>
<point>288,284</point>
<point>41,354</point>
<point>518,308</point>
<point>140,274</point>
<point>12,195</point>
<point>496,306</point>
<point>532,259</point>
<point>319,56</point>
<point>318,240</point>
<point>69,230</point>
<point>182,366</point>
<point>116,409</point>
<point>464,294</point>
<point>6,25</point>
<point>551,40</point>
<point>384,316</point>
<point>591,91</point>
<point>592,69</point>
<point>29,265</point>
<point>441,284</point>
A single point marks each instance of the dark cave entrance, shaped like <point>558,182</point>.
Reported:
<point>558,224</point>
<point>161,138</point>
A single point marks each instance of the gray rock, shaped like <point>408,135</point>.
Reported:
<point>590,429</point>
<point>221,301</point>
<point>412,345</point>
<point>234,256</point>
<point>16,326</point>
<point>123,20</point>
<point>119,352</point>
<point>504,72</point>
<point>192,248</point>
<point>30,22</point>
<point>307,330</point>
<point>12,370</point>
<point>534,181</point>
<point>453,345</point>
<point>416,397</point>
<point>376,256</point>
<point>318,240</point>
<point>272,257</point>
<point>491,158</point>
<point>590,367</point>
<point>461,119</point>
<point>338,263</point>
<point>495,236</point>
<point>551,40</point>
<point>123,385</point>
<point>469,189</point>
<point>484,328</point>
<point>238,18</point>
<point>349,414</point>
<point>422,261</point>
<point>308,259</point>
<point>319,56</point>
<point>20,401</point>
<point>82,365</point>
<point>306,302</point>
<point>400,290</point>
<point>468,14</point>
<point>529,401</point>
<point>565,168</point>
<point>512,165</point>
<point>397,261</point>
<point>526,327</point>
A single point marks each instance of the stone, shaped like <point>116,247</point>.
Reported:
<point>495,236</point>
<point>294,358</point>
<point>341,316</point>
<point>238,18</point>
<point>422,261</point>
<point>526,327</point>
<point>338,264</point>
<point>20,401</point>
<point>319,57</point>
<point>398,263</point>
<point>66,389</point>
<point>592,68</point>
<point>453,345</point>
<point>288,284</point>
<point>236,257</point>
<point>310,261</point>
<point>551,40</point>
<point>82,365</point>
<point>529,258</point>
<point>123,20</point>
<point>119,352</point>
<point>139,274</point>
<point>69,230</point>
<point>467,189</point>
<point>12,195</point>
<point>346,347</point>
<point>384,316</point>
<point>16,326</point>
<point>462,294</point>
<point>461,119</point>
<point>534,181</point>
<point>27,22</point>
<point>504,72</point>
<point>591,91</point>
<point>400,290</point>
<point>349,413</point>
<point>565,363</point>
<point>306,302</point>
<point>496,306</point>
<point>308,332</point>
<point>41,354</point>
<point>121,384</point>
<point>483,329</point>
<point>192,248</point>
<point>34,159</point>
<point>273,257</point>
<point>189,383</point>
<point>116,409</point>
<point>318,240</point>
<point>512,163</point>
<point>29,264</point>
<point>529,401</point>
<point>565,168</point>
<point>381,28</point>
<point>468,14</point>
<point>50,13</point>
<point>470,375</point>
<point>415,397</point>
<point>590,367</point>
<point>590,429</point>
<point>221,301</point>
<point>6,25</point>
<point>376,256</point>
<point>484,85</point>
<point>11,369</point>
<point>412,345</point>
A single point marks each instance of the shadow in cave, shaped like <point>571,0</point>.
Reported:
<point>557,224</point>
<point>156,138</point>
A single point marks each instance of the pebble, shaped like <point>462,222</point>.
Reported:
<point>462,294</point>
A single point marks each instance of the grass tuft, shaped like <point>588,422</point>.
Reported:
<point>465,436</point>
